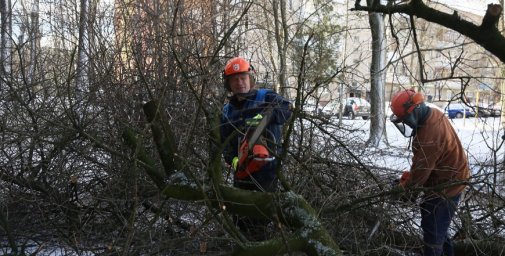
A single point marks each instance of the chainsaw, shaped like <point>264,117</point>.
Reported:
<point>253,153</point>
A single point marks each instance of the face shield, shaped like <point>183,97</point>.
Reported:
<point>404,129</point>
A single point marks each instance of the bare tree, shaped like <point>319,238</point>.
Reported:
<point>34,39</point>
<point>491,40</point>
<point>377,76</point>
<point>502,3</point>
<point>5,40</point>
<point>133,178</point>
<point>281,38</point>
<point>82,72</point>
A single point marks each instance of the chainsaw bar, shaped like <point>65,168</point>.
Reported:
<point>260,128</point>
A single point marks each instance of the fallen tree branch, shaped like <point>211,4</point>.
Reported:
<point>289,208</point>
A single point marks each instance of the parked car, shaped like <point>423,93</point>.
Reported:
<point>482,110</point>
<point>352,107</point>
<point>357,107</point>
<point>494,109</point>
<point>331,108</point>
<point>458,110</point>
<point>312,109</point>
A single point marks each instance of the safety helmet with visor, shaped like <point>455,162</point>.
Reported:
<point>235,66</point>
<point>403,104</point>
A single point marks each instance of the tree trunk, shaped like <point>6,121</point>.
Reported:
<point>281,38</point>
<point>502,107</point>
<point>92,36</point>
<point>377,75</point>
<point>5,41</point>
<point>81,81</point>
<point>34,39</point>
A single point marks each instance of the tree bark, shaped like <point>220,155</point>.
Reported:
<point>502,107</point>
<point>34,39</point>
<point>5,41</point>
<point>281,38</point>
<point>377,78</point>
<point>81,76</point>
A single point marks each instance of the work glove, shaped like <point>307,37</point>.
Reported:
<point>402,194</point>
<point>234,163</point>
<point>404,179</point>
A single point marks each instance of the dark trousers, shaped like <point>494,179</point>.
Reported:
<point>436,216</point>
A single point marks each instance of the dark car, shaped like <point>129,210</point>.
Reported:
<point>481,111</point>
<point>494,109</point>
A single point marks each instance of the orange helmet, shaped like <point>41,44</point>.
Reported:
<point>236,65</point>
<point>404,102</point>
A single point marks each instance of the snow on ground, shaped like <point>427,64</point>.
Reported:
<point>481,138</point>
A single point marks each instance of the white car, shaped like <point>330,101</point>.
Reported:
<point>352,107</point>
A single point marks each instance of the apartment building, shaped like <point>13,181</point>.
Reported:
<point>448,59</point>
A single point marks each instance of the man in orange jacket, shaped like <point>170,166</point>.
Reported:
<point>439,164</point>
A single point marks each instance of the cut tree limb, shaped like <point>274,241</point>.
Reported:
<point>291,209</point>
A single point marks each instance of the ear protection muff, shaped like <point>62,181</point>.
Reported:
<point>252,75</point>
<point>414,100</point>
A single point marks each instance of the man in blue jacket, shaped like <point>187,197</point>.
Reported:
<point>246,107</point>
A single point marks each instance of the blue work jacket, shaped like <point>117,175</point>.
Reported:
<point>233,125</point>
